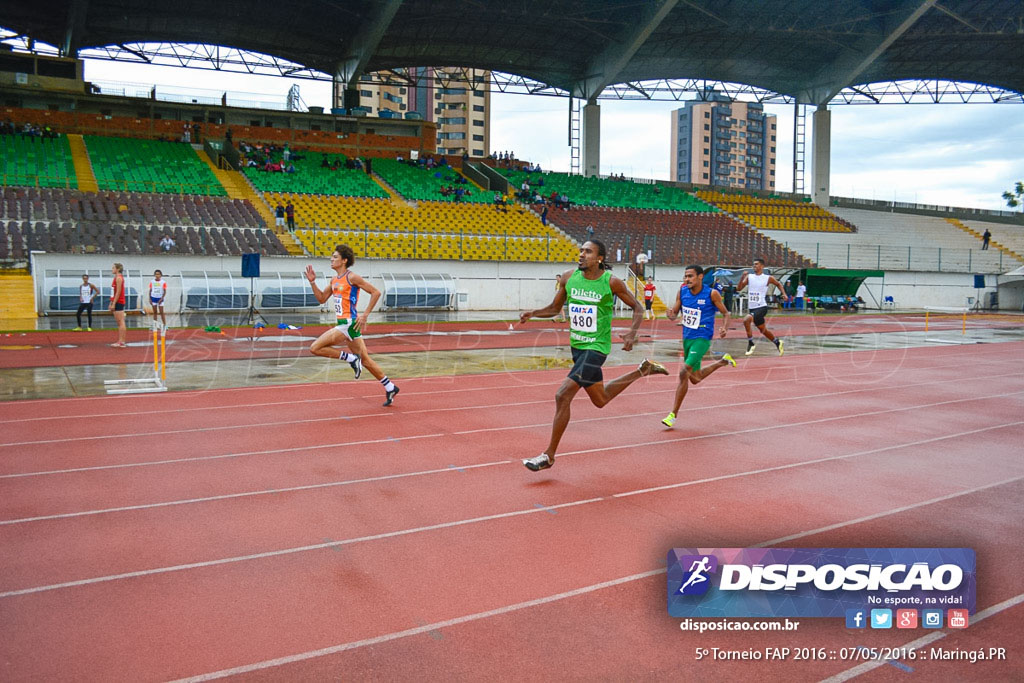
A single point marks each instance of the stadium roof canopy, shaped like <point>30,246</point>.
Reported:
<point>807,49</point>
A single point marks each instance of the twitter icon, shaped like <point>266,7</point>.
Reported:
<point>881,618</point>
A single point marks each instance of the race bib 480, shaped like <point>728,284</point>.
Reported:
<point>583,317</point>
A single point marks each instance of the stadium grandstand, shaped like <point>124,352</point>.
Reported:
<point>92,174</point>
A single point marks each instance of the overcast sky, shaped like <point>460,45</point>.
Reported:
<point>950,155</point>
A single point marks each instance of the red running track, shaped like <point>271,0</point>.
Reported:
<point>305,533</point>
<point>53,348</point>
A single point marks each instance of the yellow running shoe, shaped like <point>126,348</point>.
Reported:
<point>669,420</point>
<point>782,349</point>
<point>729,359</point>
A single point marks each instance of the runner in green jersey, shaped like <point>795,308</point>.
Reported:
<point>590,291</point>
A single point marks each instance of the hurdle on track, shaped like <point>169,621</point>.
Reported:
<point>954,312</point>
<point>146,385</point>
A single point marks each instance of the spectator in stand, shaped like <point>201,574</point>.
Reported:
<point>985,239</point>
<point>289,212</point>
<point>590,232</point>
<point>167,243</point>
<point>801,293</point>
<point>544,215</point>
<point>279,215</point>
<point>287,153</point>
<point>641,263</point>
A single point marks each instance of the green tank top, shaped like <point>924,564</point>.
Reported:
<point>590,311</point>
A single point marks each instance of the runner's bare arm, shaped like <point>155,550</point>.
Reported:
<point>620,290</point>
<point>374,293</point>
<point>552,309</point>
<point>321,295</point>
<point>676,307</point>
<point>716,299</point>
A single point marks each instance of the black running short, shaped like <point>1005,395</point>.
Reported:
<point>648,303</point>
<point>118,307</point>
<point>759,314</point>
<point>586,367</point>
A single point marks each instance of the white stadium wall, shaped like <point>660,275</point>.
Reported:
<point>486,285</point>
<point>918,290</point>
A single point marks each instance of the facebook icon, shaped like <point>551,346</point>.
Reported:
<point>856,618</point>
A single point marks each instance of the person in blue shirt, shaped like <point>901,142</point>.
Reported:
<point>697,302</point>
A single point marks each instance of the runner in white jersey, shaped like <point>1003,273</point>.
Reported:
<point>757,303</point>
<point>86,293</point>
<point>157,294</point>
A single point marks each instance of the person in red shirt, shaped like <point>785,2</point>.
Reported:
<point>116,306</point>
<point>649,298</point>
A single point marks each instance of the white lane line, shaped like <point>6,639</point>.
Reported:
<point>396,635</point>
<point>924,640</point>
<point>753,430</point>
<point>719,386</point>
<point>874,388</point>
<point>807,462</point>
<point>245,494</point>
<point>449,469</point>
<point>514,385</point>
<point>403,532</point>
<point>292,449</point>
<point>929,352</point>
<point>488,429</point>
<point>292,551</point>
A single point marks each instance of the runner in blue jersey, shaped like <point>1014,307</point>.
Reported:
<point>698,304</point>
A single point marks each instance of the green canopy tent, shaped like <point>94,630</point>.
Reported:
<point>834,281</point>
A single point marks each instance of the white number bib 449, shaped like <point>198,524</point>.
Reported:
<point>755,300</point>
<point>583,317</point>
<point>691,318</point>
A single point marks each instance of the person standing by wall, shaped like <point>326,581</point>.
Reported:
<point>117,302</point>
<point>87,291</point>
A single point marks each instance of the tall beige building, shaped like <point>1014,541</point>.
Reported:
<point>725,143</point>
<point>461,110</point>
